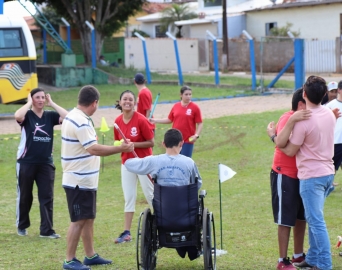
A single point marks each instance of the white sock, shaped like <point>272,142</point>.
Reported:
<point>280,259</point>
<point>297,255</point>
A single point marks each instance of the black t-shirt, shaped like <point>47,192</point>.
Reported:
<point>37,137</point>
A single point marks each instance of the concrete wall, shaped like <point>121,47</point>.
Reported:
<point>70,77</point>
<point>161,54</point>
<point>313,22</point>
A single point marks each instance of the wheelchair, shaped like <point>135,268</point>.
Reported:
<point>179,220</point>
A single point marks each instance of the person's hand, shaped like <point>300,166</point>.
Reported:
<point>127,147</point>
<point>193,138</point>
<point>300,115</point>
<point>48,100</point>
<point>336,112</point>
<point>271,129</point>
<point>29,98</point>
<point>151,120</point>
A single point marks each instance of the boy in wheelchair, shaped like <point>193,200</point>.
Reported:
<point>171,169</point>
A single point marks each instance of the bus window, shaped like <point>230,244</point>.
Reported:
<point>10,43</point>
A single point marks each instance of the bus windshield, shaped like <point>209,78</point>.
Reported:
<point>10,43</point>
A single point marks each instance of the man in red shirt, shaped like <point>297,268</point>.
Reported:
<point>287,205</point>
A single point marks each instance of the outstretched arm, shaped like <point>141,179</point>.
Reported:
<point>160,121</point>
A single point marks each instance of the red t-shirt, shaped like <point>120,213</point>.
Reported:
<point>282,163</point>
<point>144,101</point>
<point>185,119</point>
<point>138,129</point>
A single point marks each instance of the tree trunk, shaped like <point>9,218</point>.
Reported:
<point>225,58</point>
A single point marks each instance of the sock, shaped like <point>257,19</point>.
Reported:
<point>295,256</point>
<point>280,259</point>
<point>92,256</point>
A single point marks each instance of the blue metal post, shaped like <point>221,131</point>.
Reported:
<point>68,37</point>
<point>216,63</point>
<point>93,49</point>
<point>1,6</point>
<point>299,63</point>
<point>44,48</point>
<point>180,75</point>
<point>252,59</point>
<point>147,66</point>
<point>272,83</point>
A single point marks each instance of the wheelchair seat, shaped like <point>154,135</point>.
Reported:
<point>179,221</point>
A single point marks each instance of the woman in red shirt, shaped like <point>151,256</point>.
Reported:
<point>185,116</point>
<point>138,130</point>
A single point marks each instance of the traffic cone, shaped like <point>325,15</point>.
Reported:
<point>104,126</point>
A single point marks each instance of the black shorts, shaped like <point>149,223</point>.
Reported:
<point>337,156</point>
<point>81,203</point>
<point>287,204</point>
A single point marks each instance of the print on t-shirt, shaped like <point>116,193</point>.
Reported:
<point>134,132</point>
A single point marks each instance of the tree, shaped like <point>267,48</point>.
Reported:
<point>107,17</point>
<point>282,31</point>
<point>176,13</point>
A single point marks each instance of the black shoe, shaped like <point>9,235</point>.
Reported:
<point>302,264</point>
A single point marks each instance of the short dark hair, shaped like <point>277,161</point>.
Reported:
<point>139,78</point>
<point>36,90</point>
<point>87,95</point>
<point>172,138</point>
<point>297,96</point>
<point>340,84</point>
<point>315,88</point>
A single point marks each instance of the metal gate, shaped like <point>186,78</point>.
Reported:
<point>320,56</point>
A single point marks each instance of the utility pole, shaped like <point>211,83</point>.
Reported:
<point>225,51</point>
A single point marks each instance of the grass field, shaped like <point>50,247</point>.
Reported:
<point>249,234</point>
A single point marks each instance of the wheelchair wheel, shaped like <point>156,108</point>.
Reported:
<point>209,241</point>
<point>147,258</point>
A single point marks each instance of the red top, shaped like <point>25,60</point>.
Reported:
<point>138,129</point>
<point>144,101</point>
<point>282,163</point>
<point>185,119</point>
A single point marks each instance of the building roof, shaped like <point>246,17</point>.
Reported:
<point>151,8</point>
<point>31,23</point>
<point>298,3</point>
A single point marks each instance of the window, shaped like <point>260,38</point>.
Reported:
<point>10,43</point>
<point>214,3</point>
<point>159,31</point>
<point>269,26</point>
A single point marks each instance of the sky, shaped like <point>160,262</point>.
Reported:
<point>14,8</point>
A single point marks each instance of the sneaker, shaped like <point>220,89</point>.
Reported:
<point>75,264</point>
<point>124,237</point>
<point>314,268</point>
<point>299,259</point>
<point>52,236</point>
<point>285,264</point>
<point>96,260</point>
<point>302,264</point>
<point>22,232</point>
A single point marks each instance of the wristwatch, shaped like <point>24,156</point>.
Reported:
<point>272,137</point>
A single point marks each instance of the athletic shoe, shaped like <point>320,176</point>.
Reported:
<point>124,237</point>
<point>285,264</point>
<point>52,236</point>
<point>22,232</point>
<point>75,264</point>
<point>314,268</point>
<point>96,260</point>
<point>299,259</point>
<point>303,264</point>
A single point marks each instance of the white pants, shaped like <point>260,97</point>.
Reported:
<point>129,183</point>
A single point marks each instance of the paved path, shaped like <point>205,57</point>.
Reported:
<point>210,109</point>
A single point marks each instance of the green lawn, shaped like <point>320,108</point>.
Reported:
<point>249,234</point>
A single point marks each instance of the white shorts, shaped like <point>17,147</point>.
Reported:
<point>129,183</point>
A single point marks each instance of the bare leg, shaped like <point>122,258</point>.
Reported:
<point>128,220</point>
<point>88,237</point>
<point>283,240</point>
<point>298,236</point>
<point>73,237</point>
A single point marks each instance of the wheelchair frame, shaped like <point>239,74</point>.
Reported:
<point>147,243</point>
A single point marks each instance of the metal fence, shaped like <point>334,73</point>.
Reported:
<point>320,56</point>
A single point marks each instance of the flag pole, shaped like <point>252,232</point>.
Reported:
<point>220,207</point>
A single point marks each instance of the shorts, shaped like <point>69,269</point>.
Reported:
<point>81,203</point>
<point>287,205</point>
<point>337,156</point>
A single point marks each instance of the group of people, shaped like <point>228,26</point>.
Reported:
<point>308,153</point>
<point>80,157</point>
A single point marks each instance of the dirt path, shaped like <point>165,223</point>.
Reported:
<point>210,109</point>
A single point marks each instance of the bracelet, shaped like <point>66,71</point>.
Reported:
<point>272,137</point>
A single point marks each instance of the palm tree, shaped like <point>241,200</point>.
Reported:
<point>176,13</point>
